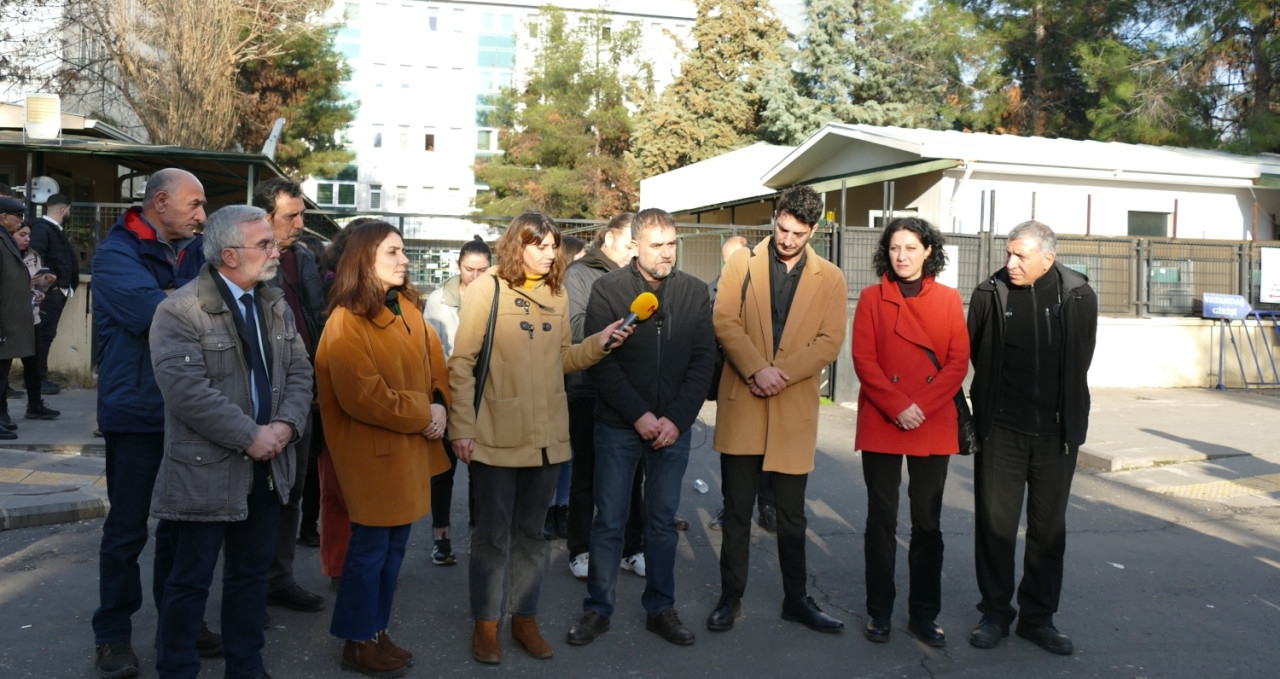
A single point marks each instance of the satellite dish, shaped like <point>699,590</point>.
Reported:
<point>42,188</point>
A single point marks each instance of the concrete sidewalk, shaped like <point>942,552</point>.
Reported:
<point>54,471</point>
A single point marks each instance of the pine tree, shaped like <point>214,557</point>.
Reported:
<point>714,105</point>
<point>565,134</point>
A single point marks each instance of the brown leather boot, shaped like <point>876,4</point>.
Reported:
<point>389,647</point>
<point>525,631</point>
<point>366,658</point>
<point>484,642</point>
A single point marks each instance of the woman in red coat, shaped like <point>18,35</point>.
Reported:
<point>906,408</point>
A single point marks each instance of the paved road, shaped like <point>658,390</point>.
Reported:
<point>1168,575</point>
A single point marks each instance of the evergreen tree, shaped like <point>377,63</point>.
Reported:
<point>302,84</point>
<point>566,133</point>
<point>859,61</point>
<point>714,105</point>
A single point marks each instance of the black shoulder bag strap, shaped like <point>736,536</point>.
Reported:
<point>481,370</point>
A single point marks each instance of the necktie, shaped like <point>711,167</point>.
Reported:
<point>261,381</point>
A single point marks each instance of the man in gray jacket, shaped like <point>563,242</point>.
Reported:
<point>237,388</point>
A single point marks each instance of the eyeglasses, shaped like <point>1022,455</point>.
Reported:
<point>265,247</point>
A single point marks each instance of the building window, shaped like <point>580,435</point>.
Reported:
<point>430,142</point>
<point>375,196</point>
<point>402,196</point>
<point>1151,224</point>
<point>433,21</point>
<point>336,194</point>
<point>377,140</point>
<point>404,137</point>
<point>484,140</point>
<point>606,32</point>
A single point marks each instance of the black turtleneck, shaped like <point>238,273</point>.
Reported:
<point>1031,377</point>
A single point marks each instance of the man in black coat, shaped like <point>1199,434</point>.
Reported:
<point>50,240</point>
<point>1032,328</point>
<point>649,393</point>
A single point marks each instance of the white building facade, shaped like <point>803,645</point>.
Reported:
<point>426,74</point>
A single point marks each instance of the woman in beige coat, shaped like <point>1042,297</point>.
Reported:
<point>516,439</point>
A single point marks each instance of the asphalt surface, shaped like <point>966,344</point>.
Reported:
<point>1171,568</point>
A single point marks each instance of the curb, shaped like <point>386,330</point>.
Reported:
<point>57,512</point>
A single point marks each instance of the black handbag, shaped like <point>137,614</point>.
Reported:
<point>968,430</point>
<point>481,369</point>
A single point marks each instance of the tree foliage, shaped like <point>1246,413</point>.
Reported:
<point>714,105</point>
<point>566,133</point>
<point>303,85</point>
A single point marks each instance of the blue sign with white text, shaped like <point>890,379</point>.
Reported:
<point>1234,307</point>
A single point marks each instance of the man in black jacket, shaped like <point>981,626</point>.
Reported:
<point>1032,328</point>
<point>613,248</point>
<point>299,278</point>
<point>50,240</point>
<point>649,393</point>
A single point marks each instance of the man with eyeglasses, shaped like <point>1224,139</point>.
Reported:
<point>237,388</point>
<point>150,252</point>
<point>298,277</point>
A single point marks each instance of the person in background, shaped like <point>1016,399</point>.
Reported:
<point>41,278</point>
<point>148,254</point>
<point>516,436</point>
<point>441,311</point>
<point>906,409</point>
<point>237,388</point>
<point>557,524</point>
<point>17,325</point>
<point>49,238</point>
<point>612,248</point>
<point>1032,328</point>
<point>384,397</point>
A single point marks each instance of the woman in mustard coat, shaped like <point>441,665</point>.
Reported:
<point>384,396</point>
<point>515,441</point>
<point>906,409</point>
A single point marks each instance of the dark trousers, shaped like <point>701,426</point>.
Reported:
<point>926,478</point>
<point>131,466</point>
<point>582,503</point>
<point>442,490</point>
<point>508,553</point>
<point>47,329</point>
<point>1009,463</point>
<point>741,474</point>
<point>369,576</point>
<point>30,379</point>
<point>310,507</point>
<point>247,547</point>
<point>280,575</point>
<point>622,452</point>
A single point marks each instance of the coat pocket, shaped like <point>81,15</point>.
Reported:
<point>221,355</point>
<point>199,478</point>
<point>501,422</point>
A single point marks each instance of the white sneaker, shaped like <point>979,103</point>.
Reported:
<point>634,563</point>
<point>578,565</point>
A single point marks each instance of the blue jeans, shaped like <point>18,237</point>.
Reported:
<point>247,548</point>
<point>507,547</point>
<point>618,452</point>
<point>368,585</point>
<point>132,463</point>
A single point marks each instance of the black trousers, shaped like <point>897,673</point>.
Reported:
<point>582,503</point>
<point>310,507</point>
<point>1009,463</point>
<point>442,491</point>
<point>47,329</point>
<point>926,478</point>
<point>30,378</point>
<point>741,482</point>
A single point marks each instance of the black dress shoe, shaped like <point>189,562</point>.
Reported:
<point>988,633</point>
<point>1047,637</point>
<point>928,632</point>
<point>721,619</point>
<point>807,613</point>
<point>309,540</point>
<point>587,629</point>
<point>41,411</point>
<point>768,518</point>
<point>668,626</point>
<point>48,388</point>
<point>6,435</point>
<point>209,643</point>
<point>878,630</point>
<point>6,422</point>
<point>297,598</point>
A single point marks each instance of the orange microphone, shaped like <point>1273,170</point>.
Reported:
<point>642,307</point>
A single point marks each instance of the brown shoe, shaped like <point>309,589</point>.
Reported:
<point>366,658</point>
<point>525,631</point>
<point>389,647</point>
<point>484,642</point>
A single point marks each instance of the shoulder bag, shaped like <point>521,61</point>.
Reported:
<point>481,369</point>
<point>968,431</point>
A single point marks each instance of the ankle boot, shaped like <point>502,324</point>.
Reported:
<point>389,647</point>
<point>525,631</point>
<point>366,658</point>
<point>484,642</point>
